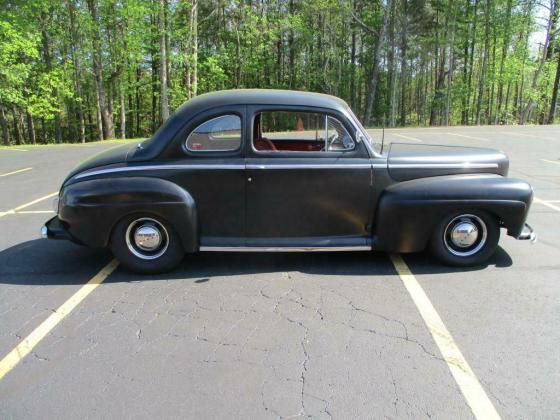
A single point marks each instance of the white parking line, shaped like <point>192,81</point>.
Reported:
<point>15,210</point>
<point>406,137</point>
<point>469,384</point>
<point>531,135</point>
<point>34,212</point>
<point>16,172</point>
<point>467,137</point>
<point>551,161</point>
<point>27,345</point>
<point>546,203</point>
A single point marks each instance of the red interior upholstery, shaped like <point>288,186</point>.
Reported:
<point>263,144</point>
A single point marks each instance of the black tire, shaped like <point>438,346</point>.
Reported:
<point>162,259</point>
<point>445,249</point>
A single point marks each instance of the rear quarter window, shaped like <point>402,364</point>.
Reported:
<point>219,134</point>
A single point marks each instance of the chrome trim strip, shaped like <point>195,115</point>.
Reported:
<point>229,167</point>
<point>465,165</point>
<point>379,165</point>
<point>283,248</point>
<point>311,166</point>
<point>157,168</point>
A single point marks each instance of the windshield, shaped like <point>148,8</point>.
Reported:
<point>376,145</point>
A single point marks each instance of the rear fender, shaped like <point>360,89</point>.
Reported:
<point>408,212</point>
<point>90,209</point>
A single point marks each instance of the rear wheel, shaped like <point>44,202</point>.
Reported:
<point>465,239</point>
<point>146,245</point>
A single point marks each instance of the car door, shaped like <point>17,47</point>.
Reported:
<point>305,187</point>
<point>212,170</point>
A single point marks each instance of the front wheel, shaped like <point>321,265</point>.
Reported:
<point>465,239</point>
<point>146,245</point>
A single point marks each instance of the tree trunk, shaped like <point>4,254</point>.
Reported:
<point>484,61</point>
<point>138,102</point>
<point>99,119</point>
<point>155,74</point>
<point>531,104</point>
<point>47,58</point>
<point>4,124</point>
<point>122,112</point>
<point>446,116</point>
<point>502,62</point>
<point>108,129</point>
<point>375,66</point>
<point>353,64</point>
<point>471,63</point>
<point>391,67</point>
<point>31,129</point>
<point>554,100</point>
<point>164,100</point>
<point>17,129</point>
<point>77,69</point>
<point>194,55</point>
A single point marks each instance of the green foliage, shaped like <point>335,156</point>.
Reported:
<point>17,52</point>
<point>430,62</point>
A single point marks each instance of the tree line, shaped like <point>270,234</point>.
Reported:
<point>85,70</point>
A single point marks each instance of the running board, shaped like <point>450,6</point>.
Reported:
<point>283,248</point>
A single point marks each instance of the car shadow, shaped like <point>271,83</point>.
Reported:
<point>47,262</point>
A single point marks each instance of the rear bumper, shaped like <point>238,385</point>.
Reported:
<point>527,234</point>
<point>54,229</point>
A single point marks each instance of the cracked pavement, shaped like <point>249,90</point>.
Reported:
<point>323,336</point>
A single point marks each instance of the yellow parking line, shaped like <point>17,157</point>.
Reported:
<point>15,172</point>
<point>406,137</point>
<point>546,203</point>
<point>469,385</point>
<point>467,137</point>
<point>18,208</point>
<point>14,149</point>
<point>27,345</point>
<point>550,161</point>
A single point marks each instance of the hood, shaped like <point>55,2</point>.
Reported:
<point>411,161</point>
<point>117,154</point>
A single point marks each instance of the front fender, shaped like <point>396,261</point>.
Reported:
<point>90,209</point>
<point>408,212</point>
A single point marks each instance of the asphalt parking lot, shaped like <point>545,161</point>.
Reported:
<point>260,336</point>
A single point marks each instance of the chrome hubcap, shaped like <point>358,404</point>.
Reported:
<point>465,235</point>
<point>147,238</point>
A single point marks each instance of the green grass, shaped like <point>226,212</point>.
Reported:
<point>89,143</point>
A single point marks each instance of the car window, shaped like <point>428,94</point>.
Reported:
<point>292,131</point>
<point>218,134</point>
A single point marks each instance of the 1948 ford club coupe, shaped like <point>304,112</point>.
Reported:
<point>272,170</point>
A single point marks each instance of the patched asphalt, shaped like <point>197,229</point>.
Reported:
<point>280,335</point>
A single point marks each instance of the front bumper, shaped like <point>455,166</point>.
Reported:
<point>54,229</point>
<point>528,234</point>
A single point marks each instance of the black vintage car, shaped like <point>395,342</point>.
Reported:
<point>272,170</point>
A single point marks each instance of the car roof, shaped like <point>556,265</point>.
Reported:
<point>159,141</point>
<point>261,97</point>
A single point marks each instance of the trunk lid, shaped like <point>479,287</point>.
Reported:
<point>112,156</point>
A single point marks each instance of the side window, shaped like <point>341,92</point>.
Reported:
<point>293,131</point>
<point>220,134</point>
